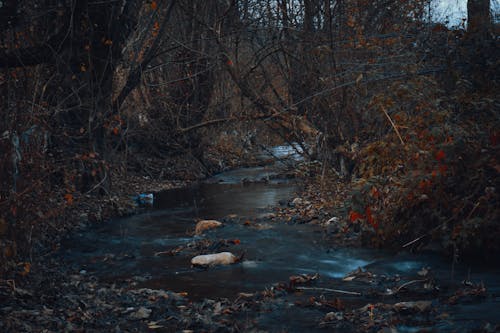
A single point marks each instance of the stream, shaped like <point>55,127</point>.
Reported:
<point>133,249</point>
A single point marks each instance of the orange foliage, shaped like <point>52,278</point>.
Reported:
<point>354,216</point>
<point>69,198</point>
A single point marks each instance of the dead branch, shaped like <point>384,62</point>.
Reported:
<point>338,291</point>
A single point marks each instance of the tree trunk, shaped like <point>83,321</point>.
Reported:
<point>479,19</point>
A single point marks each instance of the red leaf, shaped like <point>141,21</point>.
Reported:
<point>370,218</point>
<point>354,216</point>
<point>374,192</point>
<point>424,184</point>
<point>440,155</point>
<point>442,169</point>
<point>494,138</point>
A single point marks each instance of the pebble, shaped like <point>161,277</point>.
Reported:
<point>142,313</point>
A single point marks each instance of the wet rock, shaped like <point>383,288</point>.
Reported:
<point>300,202</point>
<point>249,264</point>
<point>142,313</point>
<point>333,316</point>
<point>222,258</point>
<point>262,226</point>
<point>417,306</point>
<point>268,216</point>
<point>204,225</point>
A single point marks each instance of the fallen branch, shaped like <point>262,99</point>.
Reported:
<point>393,125</point>
<point>414,241</point>
<point>264,117</point>
<point>207,123</point>
<point>408,283</point>
<point>338,291</point>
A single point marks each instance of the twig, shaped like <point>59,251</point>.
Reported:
<point>99,184</point>
<point>474,209</point>
<point>338,291</point>
<point>414,241</point>
<point>162,252</point>
<point>408,283</point>
<point>393,125</point>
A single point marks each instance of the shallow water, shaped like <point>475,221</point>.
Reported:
<point>125,249</point>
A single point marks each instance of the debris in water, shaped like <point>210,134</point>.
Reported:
<point>204,225</point>
<point>302,278</point>
<point>417,306</point>
<point>144,199</point>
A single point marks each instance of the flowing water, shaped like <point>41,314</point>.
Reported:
<point>132,248</point>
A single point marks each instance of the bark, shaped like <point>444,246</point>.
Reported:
<point>479,20</point>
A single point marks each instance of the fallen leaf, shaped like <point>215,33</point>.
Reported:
<point>348,278</point>
<point>69,198</point>
<point>303,278</point>
<point>154,325</point>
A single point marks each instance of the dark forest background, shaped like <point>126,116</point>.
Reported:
<point>403,109</point>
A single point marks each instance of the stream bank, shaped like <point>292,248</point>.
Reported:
<point>134,273</point>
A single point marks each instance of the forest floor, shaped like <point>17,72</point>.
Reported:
<point>48,296</point>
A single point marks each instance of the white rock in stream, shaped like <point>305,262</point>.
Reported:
<point>203,225</point>
<point>223,258</point>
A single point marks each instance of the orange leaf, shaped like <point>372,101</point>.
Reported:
<point>116,130</point>
<point>69,198</point>
<point>26,269</point>
<point>154,5</point>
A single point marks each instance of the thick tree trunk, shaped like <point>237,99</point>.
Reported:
<point>479,19</point>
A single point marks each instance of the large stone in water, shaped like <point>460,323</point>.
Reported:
<point>204,225</point>
<point>222,258</point>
